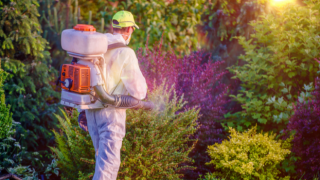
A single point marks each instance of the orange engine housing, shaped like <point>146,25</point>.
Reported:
<point>80,75</point>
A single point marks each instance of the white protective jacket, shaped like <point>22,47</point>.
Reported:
<point>107,126</point>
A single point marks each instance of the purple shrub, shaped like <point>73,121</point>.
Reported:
<point>306,143</point>
<point>200,80</point>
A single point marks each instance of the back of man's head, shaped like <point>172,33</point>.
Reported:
<point>119,30</point>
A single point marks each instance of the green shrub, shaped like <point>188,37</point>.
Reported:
<point>27,87</point>
<point>153,148</point>
<point>15,159</point>
<point>279,60</point>
<point>209,176</point>
<point>73,146</point>
<point>247,156</point>
<point>175,20</point>
<point>5,114</point>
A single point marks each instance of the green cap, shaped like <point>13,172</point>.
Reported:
<point>123,19</point>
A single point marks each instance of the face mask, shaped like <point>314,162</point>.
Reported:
<point>129,38</point>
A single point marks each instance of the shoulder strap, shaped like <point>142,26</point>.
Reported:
<point>117,45</point>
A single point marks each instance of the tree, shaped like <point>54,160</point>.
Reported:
<point>25,59</point>
<point>279,61</point>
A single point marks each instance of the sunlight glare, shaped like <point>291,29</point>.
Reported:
<point>281,2</point>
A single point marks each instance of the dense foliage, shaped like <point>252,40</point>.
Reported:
<point>12,155</point>
<point>5,114</point>
<point>156,18</point>
<point>27,86</point>
<point>154,145</point>
<point>59,15</point>
<point>276,68</point>
<point>279,61</point>
<point>200,82</point>
<point>167,19</point>
<point>306,125</point>
<point>74,146</point>
<point>15,159</point>
<point>224,20</point>
<point>248,155</point>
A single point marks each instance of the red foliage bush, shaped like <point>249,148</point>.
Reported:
<point>306,143</point>
<point>200,81</point>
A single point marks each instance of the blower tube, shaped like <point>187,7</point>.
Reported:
<point>122,101</point>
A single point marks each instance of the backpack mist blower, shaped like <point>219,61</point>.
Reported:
<point>88,68</point>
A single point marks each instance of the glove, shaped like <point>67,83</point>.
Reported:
<point>82,120</point>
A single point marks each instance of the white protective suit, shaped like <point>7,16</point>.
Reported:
<point>107,126</point>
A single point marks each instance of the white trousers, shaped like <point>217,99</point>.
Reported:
<point>107,129</point>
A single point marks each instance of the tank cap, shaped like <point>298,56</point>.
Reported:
<point>84,27</point>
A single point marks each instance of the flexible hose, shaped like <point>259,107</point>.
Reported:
<point>122,101</point>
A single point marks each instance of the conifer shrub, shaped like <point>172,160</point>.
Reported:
<point>24,57</point>
<point>73,146</point>
<point>305,123</point>
<point>200,81</point>
<point>278,62</point>
<point>248,155</point>
<point>154,145</point>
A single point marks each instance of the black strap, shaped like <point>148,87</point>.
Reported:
<point>117,45</point>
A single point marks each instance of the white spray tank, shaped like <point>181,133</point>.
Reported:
<point>87,46</point>
<point>77,79</point>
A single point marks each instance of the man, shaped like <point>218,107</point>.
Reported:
<point>107,126</point>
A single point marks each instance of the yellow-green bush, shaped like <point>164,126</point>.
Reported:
<point>248,155</point>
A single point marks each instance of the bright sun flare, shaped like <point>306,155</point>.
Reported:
<point>281,2</point>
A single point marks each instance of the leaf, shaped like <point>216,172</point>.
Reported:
<point>56,172</point>
<point>280,115</point>
<point>16,144</point>
<point>280,100</point>
<point>284,90</point>
<point>307,88</point>
<point>256,115</point>
<point>282,84</point>
<point>247,123</point>
<point>291,74</point>
<point>289,96</point>
<point>262,120</point>
<point>230,124</point>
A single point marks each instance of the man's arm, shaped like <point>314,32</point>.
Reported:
<point>131,75</point>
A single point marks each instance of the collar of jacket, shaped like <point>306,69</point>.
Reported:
<point>115,38</point>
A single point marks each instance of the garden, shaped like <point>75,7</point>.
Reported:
<point>236,88</point>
